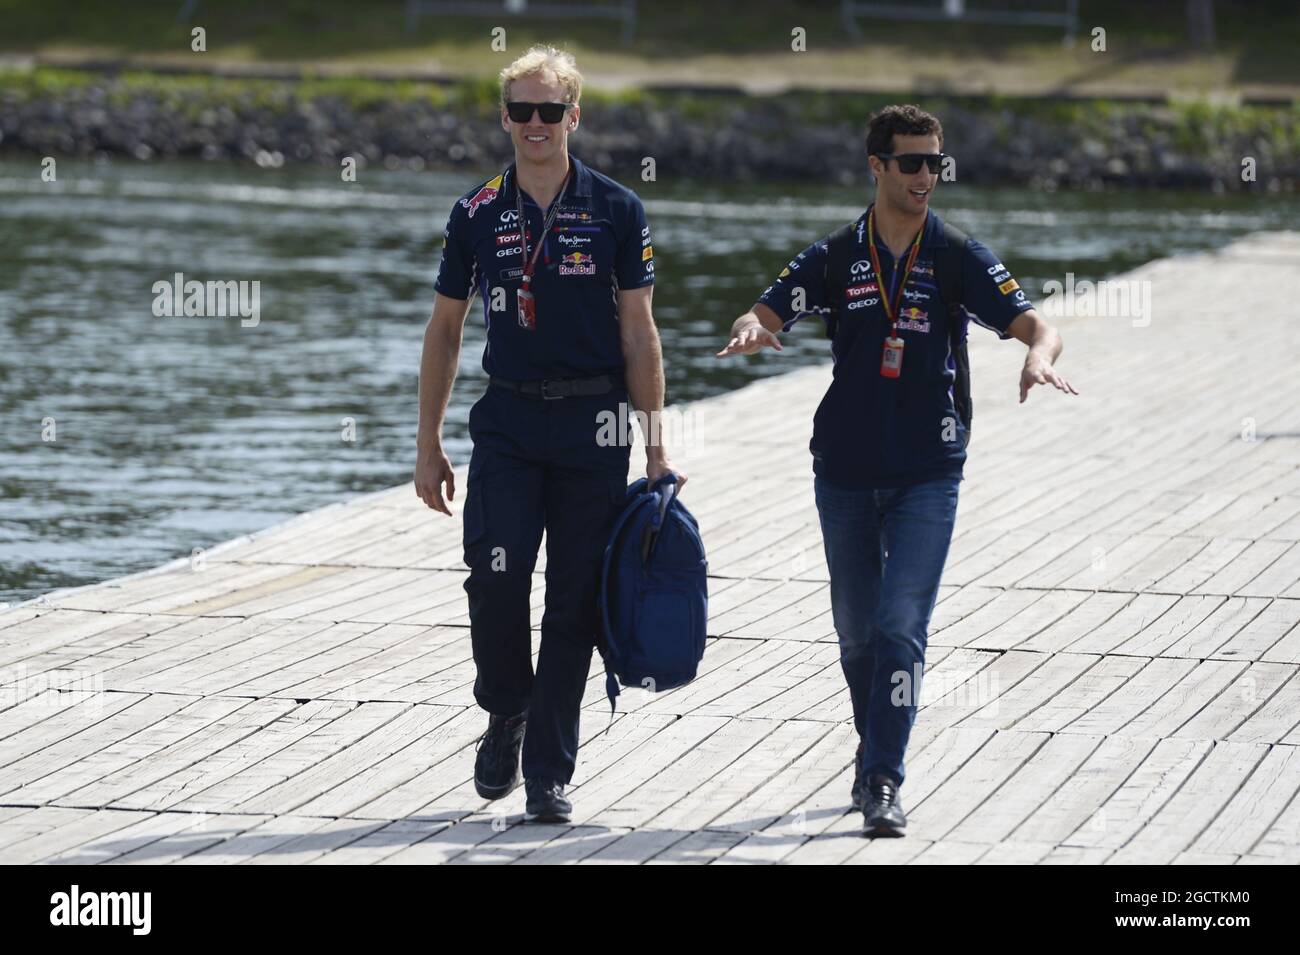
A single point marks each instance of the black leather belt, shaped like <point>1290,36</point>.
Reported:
<point>548,388</point>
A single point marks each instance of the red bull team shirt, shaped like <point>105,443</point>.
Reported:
<point>871,431</point>
<point>599,243</point>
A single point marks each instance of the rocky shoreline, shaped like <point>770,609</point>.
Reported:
<point>1090,144</point>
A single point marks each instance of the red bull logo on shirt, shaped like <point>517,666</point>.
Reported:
<point>913,319</point>
<point>486,193</point>
<point>577,263</point>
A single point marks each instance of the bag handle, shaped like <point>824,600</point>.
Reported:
<point>661,514</point>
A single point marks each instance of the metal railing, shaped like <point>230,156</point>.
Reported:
<point>621,10</point>
<point>960,11</point>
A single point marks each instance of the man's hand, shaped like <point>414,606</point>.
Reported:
<point>749,339</point>
<point>657,465</point>
<point>432,470</point>
<point>1039,371</point>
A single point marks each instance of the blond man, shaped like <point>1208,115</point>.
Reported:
<point>562,259</point>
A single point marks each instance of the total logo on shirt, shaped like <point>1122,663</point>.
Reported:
<point>577,263</point>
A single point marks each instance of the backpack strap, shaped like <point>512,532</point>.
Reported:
<point>948,274</point>
<point>839,253</point>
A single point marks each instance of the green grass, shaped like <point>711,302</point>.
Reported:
<point>1146,41</point>
<point>1196,125</point>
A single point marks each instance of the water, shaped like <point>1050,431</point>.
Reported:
<point>177,433</point>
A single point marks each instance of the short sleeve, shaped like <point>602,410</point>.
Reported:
<point>634,266</point>
<point>456,271</point>
<point>800,289</point>
<point>992,297</point>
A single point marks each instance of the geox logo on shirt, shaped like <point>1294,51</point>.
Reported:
<point>103,908</point>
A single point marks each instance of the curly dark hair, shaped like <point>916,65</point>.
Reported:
<point>902,120</point>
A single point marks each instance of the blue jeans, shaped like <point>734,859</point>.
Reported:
<point>885,550</point>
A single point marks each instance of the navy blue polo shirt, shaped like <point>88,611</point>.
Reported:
<point>598,244</point>
<point>876,432</point>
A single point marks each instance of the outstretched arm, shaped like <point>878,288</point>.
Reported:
<point>1044,348</point>
<point>753,331</point>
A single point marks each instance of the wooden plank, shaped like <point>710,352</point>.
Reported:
<point>1219,718</point>
<point>1193,807</point>
<point>1045,773</point>
<point>1185,700</point>
<point>1141,795</point>
<point>144,759</point>
<point>1250,811</point>
<point>961,795</point>
<point>1276,718</point>
<point>1263,632</point>
<point>1113,666</point>
<point>70,833</point>
<point>257,844</point>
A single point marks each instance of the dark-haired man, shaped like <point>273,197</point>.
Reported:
<point>889,438</point>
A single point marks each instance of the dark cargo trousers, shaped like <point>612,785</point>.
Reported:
<point>540,464</point>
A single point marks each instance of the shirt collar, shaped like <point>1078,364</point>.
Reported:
<point>932,234</point>
<point>579,186</point>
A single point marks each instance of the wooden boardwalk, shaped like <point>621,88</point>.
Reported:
<point>1114,672</point>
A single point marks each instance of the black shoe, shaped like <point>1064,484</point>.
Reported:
<point>882,813</point>
<point>546,802</point>
<point>855,794</point>
<point>496,768</point>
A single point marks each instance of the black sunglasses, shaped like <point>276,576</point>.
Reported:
<point>520,112</point>
<point>909,163</point>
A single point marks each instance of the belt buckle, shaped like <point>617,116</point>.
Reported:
<point>546,396</point>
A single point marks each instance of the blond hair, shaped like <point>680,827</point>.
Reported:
<point>544,59</point>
